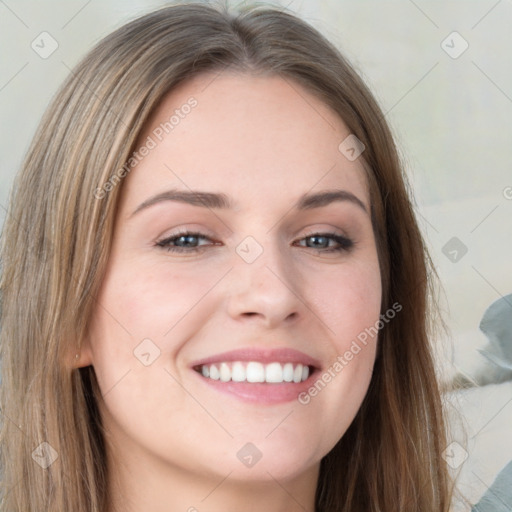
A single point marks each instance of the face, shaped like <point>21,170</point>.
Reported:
<point>223,338</point>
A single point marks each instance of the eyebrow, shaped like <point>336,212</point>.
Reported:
<point>222,201</point>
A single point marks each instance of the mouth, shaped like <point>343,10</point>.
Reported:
<point>261,376</point>
<point>255,371</point>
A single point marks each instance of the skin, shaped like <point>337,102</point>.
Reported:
<point>172,441</point>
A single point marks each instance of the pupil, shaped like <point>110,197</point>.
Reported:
<point>317,238</point>
<point>187,238</point>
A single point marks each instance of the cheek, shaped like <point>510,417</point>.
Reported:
<point>142,309</point>
<point>149,300</point>
<point>348,301</point>
<point>349,306</point>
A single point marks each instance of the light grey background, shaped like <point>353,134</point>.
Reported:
<point>452,118</point>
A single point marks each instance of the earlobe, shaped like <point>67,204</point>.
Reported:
<point>82,355</point>
<point>81,360</point>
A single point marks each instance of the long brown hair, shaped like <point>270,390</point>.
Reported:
<point>57,238</point>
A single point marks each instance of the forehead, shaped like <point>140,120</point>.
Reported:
<point>258,139</point>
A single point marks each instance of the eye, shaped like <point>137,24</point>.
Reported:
<point>188,241</point>
<point>320,241</point>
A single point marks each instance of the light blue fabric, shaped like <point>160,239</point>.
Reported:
<point>496,324</point>
<point>498,498</point>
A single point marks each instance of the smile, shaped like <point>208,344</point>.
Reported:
<point>255,372</point>
<point>258,375</point>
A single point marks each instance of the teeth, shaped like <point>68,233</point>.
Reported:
<point>214,372</point>
<point>273,372</point>
<point>238,373</point>
<point>225,372</point>
<point>297,373</point>
<point>253,371</point>
<point>288,372</point>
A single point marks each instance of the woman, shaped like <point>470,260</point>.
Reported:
<point>214,289</point>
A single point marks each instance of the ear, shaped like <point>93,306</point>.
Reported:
<point>80,355</point>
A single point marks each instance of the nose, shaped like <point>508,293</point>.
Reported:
<point>266,291</point>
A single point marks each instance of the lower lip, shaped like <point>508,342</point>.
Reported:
<point>260,392</point>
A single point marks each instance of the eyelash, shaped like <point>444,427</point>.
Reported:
<point>345,244</point>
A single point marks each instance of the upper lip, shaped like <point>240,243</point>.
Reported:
<point>279,355</point>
